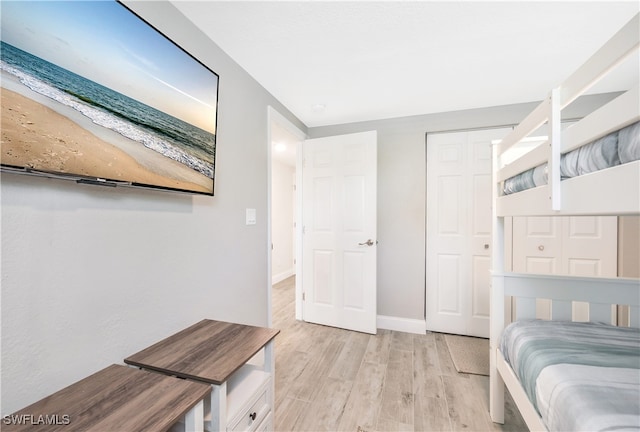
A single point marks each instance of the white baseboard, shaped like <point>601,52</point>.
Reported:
<point>282,276</point>
<point>405,325</point>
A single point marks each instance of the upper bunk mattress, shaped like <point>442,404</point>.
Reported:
<point>579,376</point>
<point>616,148</point>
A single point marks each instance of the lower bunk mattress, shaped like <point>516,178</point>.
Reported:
<point>578,376</point>
<point>614,149</point>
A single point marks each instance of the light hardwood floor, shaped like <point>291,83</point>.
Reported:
<point>329,379</point>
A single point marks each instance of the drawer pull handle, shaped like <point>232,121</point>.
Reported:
<point>252,416</point>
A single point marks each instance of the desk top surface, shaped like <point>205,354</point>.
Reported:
<point>117,398</point>
<point>208,351</point>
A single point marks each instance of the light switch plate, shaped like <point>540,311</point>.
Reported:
<point>251,216</point>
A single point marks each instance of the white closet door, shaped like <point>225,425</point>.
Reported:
<point>576,246</point>
<point>537,245</point>
<point>459,231</point>
<point>590,248</point>
<point>537,248</point>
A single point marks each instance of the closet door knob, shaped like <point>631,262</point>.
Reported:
<point>252,416</point>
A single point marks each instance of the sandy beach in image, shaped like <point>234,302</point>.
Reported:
<point>38,137</point>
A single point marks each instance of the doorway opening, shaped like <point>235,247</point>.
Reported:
<point>285,140</point>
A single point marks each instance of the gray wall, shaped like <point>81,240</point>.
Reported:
<point>402,192</point>
<point>91,275</point>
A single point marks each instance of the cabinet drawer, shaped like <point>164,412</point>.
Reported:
<point>248,419</point>
<point>267,424</point>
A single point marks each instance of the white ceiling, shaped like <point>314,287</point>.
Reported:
<point>366,60</point>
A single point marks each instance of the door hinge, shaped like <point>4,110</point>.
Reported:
<point>304,229</point>
<point>303,297</point>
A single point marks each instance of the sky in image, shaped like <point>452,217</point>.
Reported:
<point>106,43</point>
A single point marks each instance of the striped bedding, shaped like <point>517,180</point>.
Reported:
<point>579,376</point>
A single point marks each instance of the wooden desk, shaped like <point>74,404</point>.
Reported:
<point>219,353</point>
<point>117,398</point>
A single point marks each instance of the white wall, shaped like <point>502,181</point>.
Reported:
<point>282,211</point>
<point>402,193</point>
<point>91,275</point>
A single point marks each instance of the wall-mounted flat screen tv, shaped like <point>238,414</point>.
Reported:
<point>92,92</point>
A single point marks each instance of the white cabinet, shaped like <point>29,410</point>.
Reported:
<point>245,401</point>
<point>235,359</point>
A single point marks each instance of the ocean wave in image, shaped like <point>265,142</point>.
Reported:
<point>112,122</point>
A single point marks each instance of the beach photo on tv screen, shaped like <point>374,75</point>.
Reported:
<point>92,91</point>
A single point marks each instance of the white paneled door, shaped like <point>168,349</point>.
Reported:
<point>459,231</point>
<point>339,231</point>
<point>576,246</point>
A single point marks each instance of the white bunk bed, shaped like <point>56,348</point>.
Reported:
<point>612,191</point>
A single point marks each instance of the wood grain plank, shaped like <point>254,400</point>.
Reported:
<point>289,367</point>
<point>378,347</point>
<point>113,399</point>
<point>466,410</point>
<point>397,396</point>
<point>386,425</point>
<point>310,381</point>
<point>208,351</point>
<point>401,341</point>
<point>431,414</point>
<point>431,410</point>
<point>427,381</point>
<point>325,412</point>
<point>444,357</point>
<point>288,413</point>
<point>364,402</point>
<point>348,363</point>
